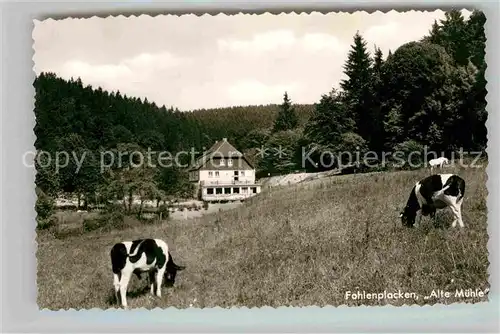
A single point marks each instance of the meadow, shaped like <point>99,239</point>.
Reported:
<point>300,245</point>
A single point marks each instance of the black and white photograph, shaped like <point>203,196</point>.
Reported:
<point>252,160</point>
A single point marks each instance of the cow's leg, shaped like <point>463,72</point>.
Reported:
<point>123,286</point>
<point>152,281</point>
<point>459,211</point>
<point>418,220</point>
<point>451,201</point>
<point>159,278</point>
<point>116,284</point>
<point>432,212</point>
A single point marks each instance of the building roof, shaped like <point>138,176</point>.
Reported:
<point>221,149</point>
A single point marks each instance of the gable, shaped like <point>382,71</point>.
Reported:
<point>237,164</point>
<point>221,149</point>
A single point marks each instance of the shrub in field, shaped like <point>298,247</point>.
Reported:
<point>44,208</point>
<point>409,155</point>
<point>111,218</point>
<point>163,212</point>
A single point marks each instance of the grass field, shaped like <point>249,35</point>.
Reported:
<point>296,246</point>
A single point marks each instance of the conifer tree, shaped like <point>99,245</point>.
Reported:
<point>376,112</point>
<point>357,87</point>
<point>286,118</point>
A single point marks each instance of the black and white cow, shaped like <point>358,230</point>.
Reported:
<point>437,191</point>
<point>139,256</point>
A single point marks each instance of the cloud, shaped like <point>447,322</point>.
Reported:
<point>95,73</point>
<point>263,42</point>
<point>219,60</point>
<point>317,42</point>
<point>389,37</point>
<point>282,41</point>
<point>255,92</point>
<point>124,74</point>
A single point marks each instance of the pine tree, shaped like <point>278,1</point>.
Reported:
<point>377,61</point>
<point>434,34</point>
<point>329,121</point>
<point>357,86</point>
<point>452,35</point>
<point>286,119</point>
<point>377,89</point>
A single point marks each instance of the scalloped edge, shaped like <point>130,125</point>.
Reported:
<point>199,12</point>
<point>211,12</point>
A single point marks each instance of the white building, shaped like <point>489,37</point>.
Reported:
<point>222,173</point>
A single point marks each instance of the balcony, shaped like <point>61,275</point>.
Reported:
<point>207,183</point>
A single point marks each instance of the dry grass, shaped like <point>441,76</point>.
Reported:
<point>298,246</point>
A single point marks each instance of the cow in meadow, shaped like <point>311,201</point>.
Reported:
<point>140,256</point>
<point>438,163</point>
<point>434,192</point>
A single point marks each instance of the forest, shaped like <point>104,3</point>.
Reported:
<point>429,92</point>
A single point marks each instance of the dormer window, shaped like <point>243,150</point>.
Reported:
<point>221,162</point>
<point>230,162</point>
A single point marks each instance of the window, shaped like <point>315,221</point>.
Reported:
<point>230,162</point>
<point>210,191</point>
<point>217,174</point>
<point>254,190</point>
<point>218,191</point>
<point>210,174</point>
<point>227,191</point>
<point>236,190</point>
<point>221,162</point>
<point>242,173</point>
<point>244,190</point>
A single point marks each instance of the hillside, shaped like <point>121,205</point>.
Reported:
<point>300,245</point>
<point>98,118</point>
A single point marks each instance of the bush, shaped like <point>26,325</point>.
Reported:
<point>44,208</point>
<point>111,218</point>
<point>44,224</point>
<point>163,212</point>
<point>409,155</point>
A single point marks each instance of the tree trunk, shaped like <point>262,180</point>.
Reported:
<point>129,201</point>
<point>140,209</point>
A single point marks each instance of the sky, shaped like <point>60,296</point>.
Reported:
<point>192,62</point>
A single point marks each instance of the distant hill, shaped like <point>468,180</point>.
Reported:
<point>102,119</point>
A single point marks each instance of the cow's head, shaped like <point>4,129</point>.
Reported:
<point>171,272</point>
<point>408,216</point>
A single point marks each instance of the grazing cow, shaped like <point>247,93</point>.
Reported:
<point>138,256</point>
<point>435,192</point>
<point>438,162</point>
